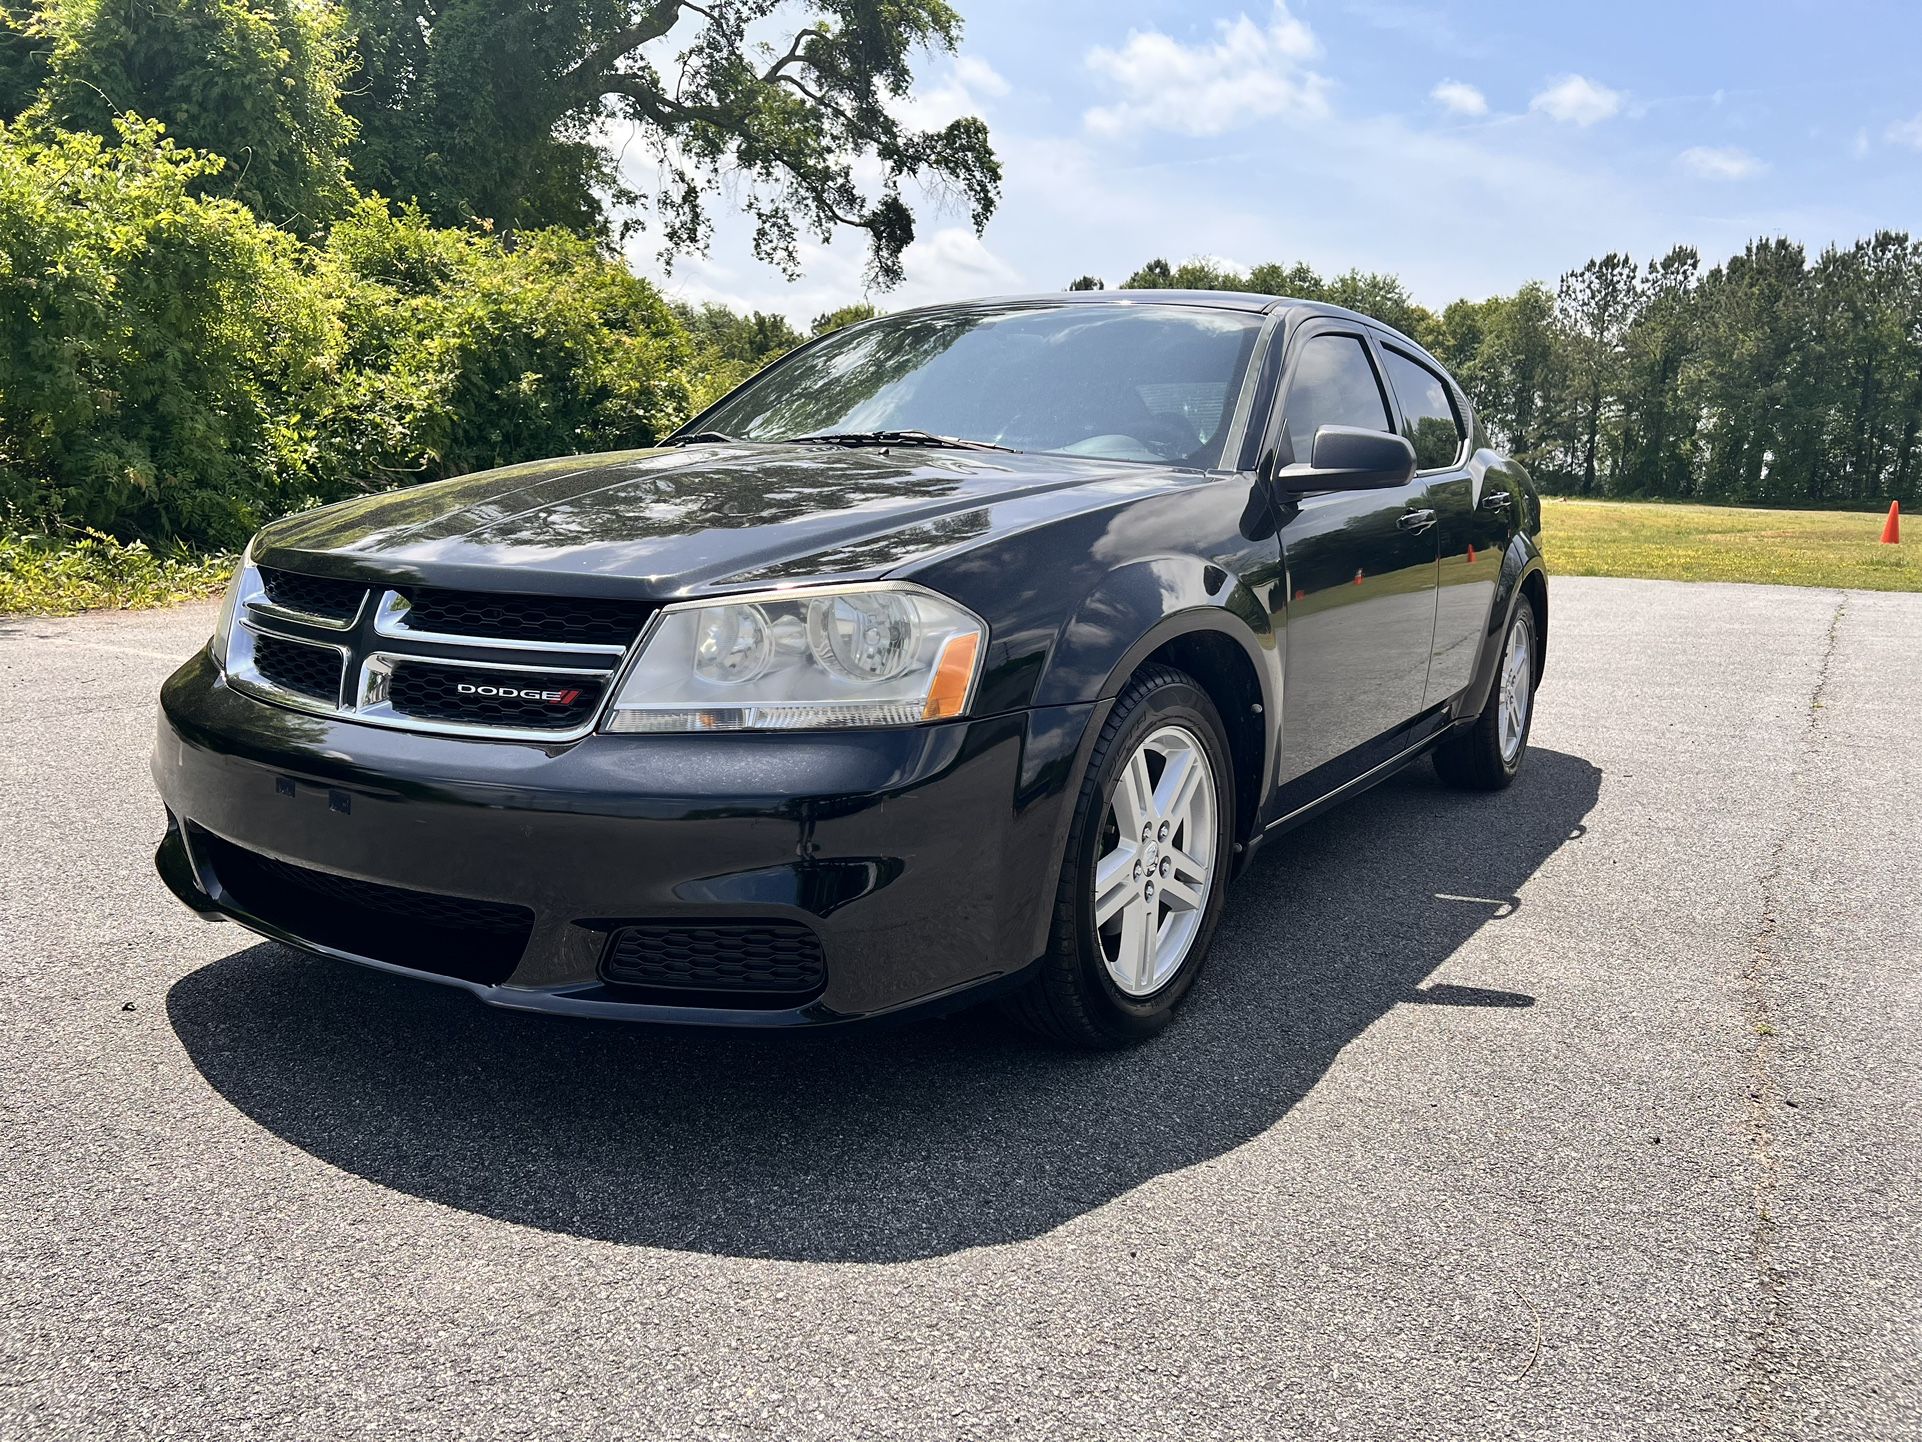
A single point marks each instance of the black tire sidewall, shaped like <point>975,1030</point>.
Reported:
<point>1174,702</point>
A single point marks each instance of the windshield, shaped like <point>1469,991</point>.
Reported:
<point>1123,382</point>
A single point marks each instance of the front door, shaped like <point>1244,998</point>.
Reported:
<point>1360,569</point>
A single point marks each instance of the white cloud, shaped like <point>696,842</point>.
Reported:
<point>1859,147</point>
<point>1719,162</point>
<point>949,263</point>
<point>1577,100</point>
<point>1459,98</point>
<point>1906,132</point>
<point>962,91</point>
<point>977,75</point>
<point>953,262</point>
<point>1249,72</point>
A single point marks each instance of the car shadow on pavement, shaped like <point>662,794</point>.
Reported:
<point>879,1145</point>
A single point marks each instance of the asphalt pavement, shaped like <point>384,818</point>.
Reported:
<point>1591,1109</point>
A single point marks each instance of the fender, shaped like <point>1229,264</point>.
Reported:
<point>1522,559</point>
<point>1136,610</point>
<point>1139,607</point>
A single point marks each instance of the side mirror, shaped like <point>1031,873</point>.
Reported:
<point>1348,458</point>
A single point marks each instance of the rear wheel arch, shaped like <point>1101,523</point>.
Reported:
<point>1534,589</point>
<point>1524,581</point>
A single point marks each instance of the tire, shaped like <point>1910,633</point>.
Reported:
<point>1488,753</point>
<point>1110,983</point>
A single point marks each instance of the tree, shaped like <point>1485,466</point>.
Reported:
<point>1297,281</point>
<point>1595,303</point>
<point>742,339</point>
<point>1383,297</point>
<point>490,109</point>
<point>1198,274</point>
<point>1523,334</point>
<point>845,316</point>
<point>1755,314</point>
<point>1658,433</point>
<point>1157,274</point>
<point>257,82</point>
<point>1504,352</point>
<point>1863,360</point>
<point>1087,282</point>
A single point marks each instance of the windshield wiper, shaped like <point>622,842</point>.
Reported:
<point>898,438</point>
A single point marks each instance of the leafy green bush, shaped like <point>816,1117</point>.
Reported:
<point>175,370</point>
<point>153,344</point>
<point>45,577</point>
<point>460,351</point>
<point>23,62</point>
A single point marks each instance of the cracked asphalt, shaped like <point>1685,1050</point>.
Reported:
<point>1592,1109</point>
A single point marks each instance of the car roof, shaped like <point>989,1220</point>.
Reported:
<point>1214,299</point>
<point>1240,300</point>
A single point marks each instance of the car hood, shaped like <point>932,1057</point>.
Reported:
<point>670,522</point>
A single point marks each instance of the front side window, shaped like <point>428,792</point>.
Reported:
<point>1333,385</point>
<point>1123,382</point>
<point>1428,412</point>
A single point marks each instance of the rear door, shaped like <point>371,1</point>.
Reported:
<point>1471,521</point>
<point>1360,572</point>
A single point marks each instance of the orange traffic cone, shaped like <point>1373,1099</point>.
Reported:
<point>1892,528</point>
<point>1358,575</point>
<point>1471,555</point>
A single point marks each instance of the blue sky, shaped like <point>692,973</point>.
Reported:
<point>1465,147</point>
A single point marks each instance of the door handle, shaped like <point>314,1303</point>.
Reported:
<point>1495,501</point>
<point>1417,521</point>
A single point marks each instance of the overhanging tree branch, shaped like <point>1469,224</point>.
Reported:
<point>518,89</point>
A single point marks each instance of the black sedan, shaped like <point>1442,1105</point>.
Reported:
<point>971,650</point>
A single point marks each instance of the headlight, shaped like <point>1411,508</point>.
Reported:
<point>880,655</point>
<point>244,587</point>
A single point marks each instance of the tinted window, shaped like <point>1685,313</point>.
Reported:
<point>1128,382</point>
<point>1334,385</point>
<point>1428,412</point>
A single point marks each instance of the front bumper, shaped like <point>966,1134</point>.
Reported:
<point>924,859</point>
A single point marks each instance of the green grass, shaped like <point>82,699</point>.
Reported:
<point>1667,542</point>
<point>41,577</point>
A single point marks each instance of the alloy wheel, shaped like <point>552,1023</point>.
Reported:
<point>1157,862</point>
<point>1517,687</point>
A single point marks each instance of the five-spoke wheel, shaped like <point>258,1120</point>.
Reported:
<point>1142,884</point>
<point>1156,869</point>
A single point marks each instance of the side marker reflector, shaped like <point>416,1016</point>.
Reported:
<point>952,676</point>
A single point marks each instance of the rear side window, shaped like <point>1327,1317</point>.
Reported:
<point>1334,385</point>
<point>1428,412</point>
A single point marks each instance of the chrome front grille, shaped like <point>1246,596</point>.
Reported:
<point>471,695</point>
<point>317,597</point>
<point>300,667</point>
<point>540,620</point>
<point>457,663</point>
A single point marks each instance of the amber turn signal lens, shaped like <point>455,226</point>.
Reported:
<point>954,673</point>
